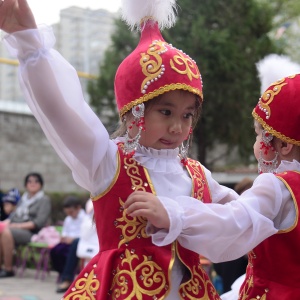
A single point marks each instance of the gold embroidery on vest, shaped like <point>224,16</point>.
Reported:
<point>198,180</point>
<point>199,282</point>
<point>132,171</point>
<point>143,277</point>
<point>85,288</point>
<point>248,285</point>
<point>131,227</point>
<point>180,60</point>
<point>153,68</point>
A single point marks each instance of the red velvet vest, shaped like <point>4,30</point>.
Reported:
<point>129,266</point>
<point>273,271</point>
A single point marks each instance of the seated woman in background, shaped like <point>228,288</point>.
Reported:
<point>31,214</point>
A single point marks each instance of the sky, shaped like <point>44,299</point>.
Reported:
<point>47,12</point>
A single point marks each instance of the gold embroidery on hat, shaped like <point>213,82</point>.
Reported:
<point>152,64</point>
<point>268,96</point>
<point>180,60</point>
<point>147,278</point>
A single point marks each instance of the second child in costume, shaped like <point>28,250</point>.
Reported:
<point>159,93</point>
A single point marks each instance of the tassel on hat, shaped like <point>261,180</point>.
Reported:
<point>274,67</point>
<point>162,11</point>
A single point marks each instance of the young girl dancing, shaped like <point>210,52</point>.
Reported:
<point>159,94</point>
<point>264,219</point>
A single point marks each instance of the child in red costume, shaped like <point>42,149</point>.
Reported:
<point>264,219</point>
<point>159,93</point>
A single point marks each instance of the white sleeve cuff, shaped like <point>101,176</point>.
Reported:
<point>29,43</point>
<point>162,237</point>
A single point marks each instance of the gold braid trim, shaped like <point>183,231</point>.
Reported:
<point>160,91</point>
<point>273,131</point>
<point>295,203</point>
<point>94,198</point>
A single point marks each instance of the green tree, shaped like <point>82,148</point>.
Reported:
<point>226,38</point>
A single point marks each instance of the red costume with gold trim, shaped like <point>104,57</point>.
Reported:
<point>268,276</point>
<point>129,266</point>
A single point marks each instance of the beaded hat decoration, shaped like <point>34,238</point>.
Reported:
<point>278,109</point>
<point>154,67</point>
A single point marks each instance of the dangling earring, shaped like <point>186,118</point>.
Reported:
<point>184,149</point>
<point>267,166</point>
<point>131,144</point>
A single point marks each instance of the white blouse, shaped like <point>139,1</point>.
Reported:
<point>53,92</point>
<point>226,232</point>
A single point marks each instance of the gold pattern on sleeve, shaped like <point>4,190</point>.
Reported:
<point>131,227</point>
<point>147,278</point>
<point>85,288</point>
<point>190,66</point>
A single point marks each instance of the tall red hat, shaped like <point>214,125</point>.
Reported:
<point>278,109</point>
<point>154,67</point>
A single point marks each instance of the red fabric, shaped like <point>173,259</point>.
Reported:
<point>177,67</point>
<point>128,265</point>
<point>273,269</point>
<point>278,109</point>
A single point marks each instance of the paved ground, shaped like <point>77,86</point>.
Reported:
<point>29,288</point>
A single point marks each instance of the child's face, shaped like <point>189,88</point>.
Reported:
<point>72,211</point>
<point>8,207</point>
<point>168,120</point>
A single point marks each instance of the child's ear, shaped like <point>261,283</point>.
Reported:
<point>286,148</point>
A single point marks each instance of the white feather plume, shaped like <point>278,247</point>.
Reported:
<point>274,67</point>
<point>163,11</point>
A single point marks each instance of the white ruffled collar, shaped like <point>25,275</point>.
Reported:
<point>288,166</point>
<point>160,161</point>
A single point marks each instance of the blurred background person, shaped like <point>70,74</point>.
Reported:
<point>31,214</point>
<point>88,245</point>
<point>10,201</point>
<point>62,255</point>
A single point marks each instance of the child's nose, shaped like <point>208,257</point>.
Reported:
<point>176,127</point>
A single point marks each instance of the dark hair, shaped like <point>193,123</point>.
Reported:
<point>71,201</point>
<point>38,176</point>
<point>121,129</point>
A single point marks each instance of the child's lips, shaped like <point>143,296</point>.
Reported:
<point>166,142</point>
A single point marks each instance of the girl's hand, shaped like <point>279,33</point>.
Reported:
<point>16,15</point>
<point>143,204</point>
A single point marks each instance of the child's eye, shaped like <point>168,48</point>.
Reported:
<point>189,115</point>
<point>165,112</point>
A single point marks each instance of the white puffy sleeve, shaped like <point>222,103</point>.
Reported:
<point>226,232</point>
<point>53,92</point>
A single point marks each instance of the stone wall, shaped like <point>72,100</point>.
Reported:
<point>23,149</point>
